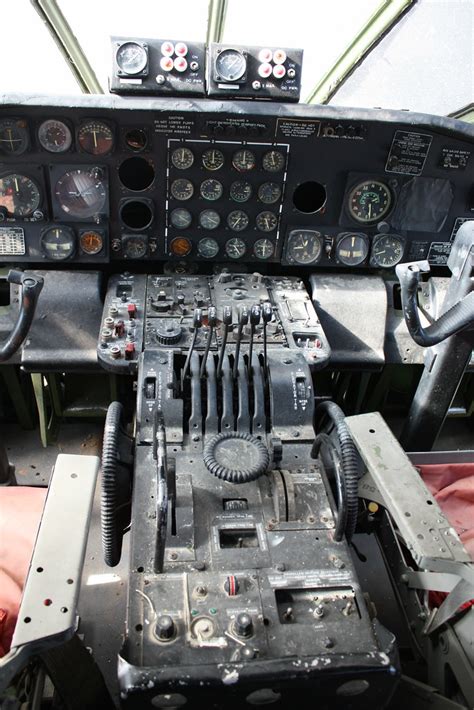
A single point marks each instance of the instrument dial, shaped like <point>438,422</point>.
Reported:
<point>273,161</point>
<point>211,189</point>
<point>209,219</point>
<point>266,221</point>
<point>182,189</point>
<point>369,201</point>
<point>182,158</point>
<point>54,136</point>
<point>352,248</point>
<point>240,191</point>
<point>58,243</point>
<point>134,248</point>
<point>304,246</point>
<point>244,160</point>
<point>208,248</point>
<point>91,242</point>
<point>238,220</point>
<point>269,193</point>
<point>180,246</point>
<point>387,250</point>
<point>13,136</point>
<point>81,193</point>
<point>131,58</point>
<point>230,65</point>
<point>19,195</point>
<point>95,138</point>
<point>136,139</point>
<point>263,248</point>
<point>181,218</point>
<point>213,159</point>
<point>235,248</point>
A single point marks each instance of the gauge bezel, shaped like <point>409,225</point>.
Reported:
<point>188,151</point>
<point>235,240</point>
<point>39,187</point>
<point>357,186</point>
<point>221,77</point>
<point>289,255</point>
<point>232,191</point>
<point>23,129</point>
<point>143,70</point>
<point>235,163</point>
<point>340,238</point>
<point>265,184</point>
<point>259,217</point>
<point>274,171</point>
<point>63,149</point>
<point>189,221</point>
<point>376,240</point>
<point>173,190</point>
<point>87,122</point>
<point>261,241</point>
<point>204,215</point>
<point>63,227</point>
<point>221,159</point>
<point>208,256</point>
<point>220,188</point>
<point>246,220</point>
<point>57,172</point>
<point>102,236</point>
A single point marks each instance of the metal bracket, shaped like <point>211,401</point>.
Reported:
<point>392,481</point>
<point>48,611</point>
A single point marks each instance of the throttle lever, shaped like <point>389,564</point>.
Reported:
<point>243,320</point>
<point>255,313</point>
<point>197,323</point>
<point>31,289</point>
<point>212,322</point>
<point>267,313</point>
<point>227,322</point>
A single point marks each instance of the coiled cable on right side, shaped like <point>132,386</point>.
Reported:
<point>347,474</point>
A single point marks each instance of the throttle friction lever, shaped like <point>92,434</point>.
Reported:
<point>227,322</point>
<point>212,322</point>
<point>243,320</point>
<point>197,323</point>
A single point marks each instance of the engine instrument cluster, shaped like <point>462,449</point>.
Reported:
<point>203,181</point>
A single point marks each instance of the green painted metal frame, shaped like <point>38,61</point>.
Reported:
<point>68,45</point>
<point>382,21</point>
<point>216,20</point>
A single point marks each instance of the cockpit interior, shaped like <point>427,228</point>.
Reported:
<point>236,358</point>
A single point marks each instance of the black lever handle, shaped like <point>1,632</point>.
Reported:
<point>255,314</point>
<point>243,320</point>
<point>197,323</point>
<point>227,322</point>
<point>267,313</point>
<point>31,289</point>
<point>457,318</point>
<point>212,322</point>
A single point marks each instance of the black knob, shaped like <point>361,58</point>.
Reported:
<point>243,625</point>
<point>232,585</point>
<point>227,315</point>
<point>168,333</point>
<point>267,312</point>
<point>165,628</point>
<point>255,315</point>
<point>197,318</point>
<point>244,316</point>
<point>212,316</point>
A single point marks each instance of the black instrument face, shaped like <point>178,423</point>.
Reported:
<point>302,181</point>
<point>58,243</point>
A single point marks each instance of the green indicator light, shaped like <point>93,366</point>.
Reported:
<point>194,612</point>
<point>212,610</point>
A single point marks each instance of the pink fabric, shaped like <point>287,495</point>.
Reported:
<point>20,514</point>
<point>452,485</point>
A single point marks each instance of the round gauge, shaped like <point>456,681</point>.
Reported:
<point>352,248</point>
<point>134,248</point>
<point>91,242</point>
<point>13,136</point>
<point>273,161</point>
<point>136,139</point>
<point>387,250</point>
<point>369,201</point>
<point>263,248</point>
<point>181,218</point>
<point>266,221</point>
<point>19,194</point>
<point>58,243</point>
<point>238,220</point>
<point>230,65</point>
<point>55,136</point>
<point>208,248</point>
<point>211,189</point>
<point>182,189</point>
<point>213,159</point>
<point>269,193</point>
<point>209,219</point>
<point>81,193</point>
<point>304,246</point>
<point>180,246</point>
<point>182,158</point>
<point>244,160</point>
<point>131,58</point>
<point>240,191</point>
<point>96,138</point>
<point>235,248</point>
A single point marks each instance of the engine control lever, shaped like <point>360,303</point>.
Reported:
<point>227,322</point>
<point>162,494</point>
<point>197,323</point>
<point>267,312</point>
<point>212,322</point>
<point>255,313</point>
<point>243,320</point>
<point>31,289</point>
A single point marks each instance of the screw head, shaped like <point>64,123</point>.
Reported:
<point>256,85</point>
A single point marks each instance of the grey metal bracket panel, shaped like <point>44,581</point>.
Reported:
<point>48,611</point>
